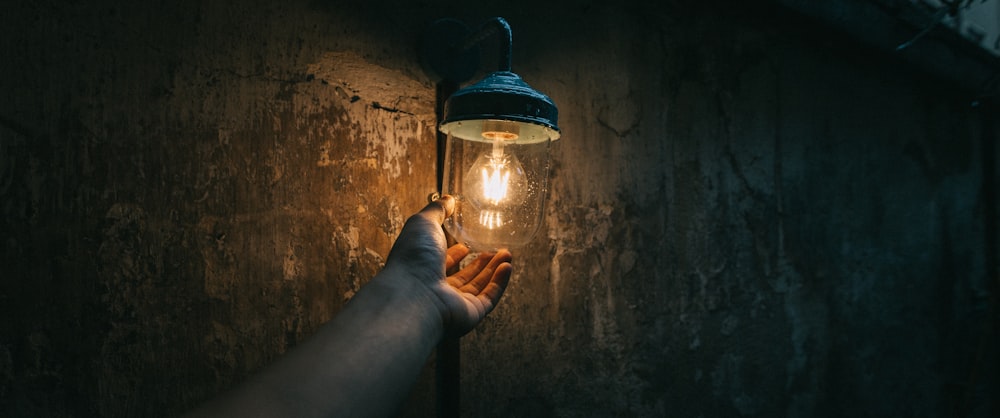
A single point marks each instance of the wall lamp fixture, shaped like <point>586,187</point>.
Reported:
<point>496,158</point>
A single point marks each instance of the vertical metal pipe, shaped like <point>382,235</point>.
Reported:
<point>448,373</point>
<point>991,331</point>
<point>991,257</point>
<point>447,366</point>
<point>445,89</point>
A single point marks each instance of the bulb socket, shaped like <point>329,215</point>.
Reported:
<point>501,129</point>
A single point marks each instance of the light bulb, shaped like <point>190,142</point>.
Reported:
<point>494,183</point>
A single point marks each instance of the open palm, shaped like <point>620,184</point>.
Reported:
<point>473,291</point>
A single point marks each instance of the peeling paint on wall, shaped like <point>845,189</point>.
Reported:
<point>406,101</point>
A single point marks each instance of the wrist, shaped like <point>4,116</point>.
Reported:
<point>412,297</point>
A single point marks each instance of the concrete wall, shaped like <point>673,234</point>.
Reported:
<point>750,215</point>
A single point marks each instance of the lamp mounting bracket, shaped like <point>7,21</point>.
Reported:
<point>449,49</point>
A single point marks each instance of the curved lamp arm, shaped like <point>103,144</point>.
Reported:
<point>450,50</point>
<point>486,30</point>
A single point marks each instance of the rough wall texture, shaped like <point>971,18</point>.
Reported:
<point>749,216</point>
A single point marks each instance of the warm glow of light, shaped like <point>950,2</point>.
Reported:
<point>495,181</point>
<point>507,136</point>
<point>490,219</point>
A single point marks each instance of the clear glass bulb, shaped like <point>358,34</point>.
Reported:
<point>495,182</point>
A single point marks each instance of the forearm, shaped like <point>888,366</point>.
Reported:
<point>361,363</point>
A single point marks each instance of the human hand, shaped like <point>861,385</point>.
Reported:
<point>464,298</point>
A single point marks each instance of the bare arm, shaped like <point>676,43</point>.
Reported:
<point>364,361</point>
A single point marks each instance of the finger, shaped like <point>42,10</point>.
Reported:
<point>439,209</point>
<point>470,271</point>
<point>455,255</point>
<point>478,283</point>
<point>491,295</point>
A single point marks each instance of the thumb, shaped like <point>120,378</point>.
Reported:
<point>421,244</point>
<point>440,209</point>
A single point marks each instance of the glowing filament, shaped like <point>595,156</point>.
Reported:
<point>495,181</point>
<point>490,219</point>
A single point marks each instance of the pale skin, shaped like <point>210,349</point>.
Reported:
<point>363,362</point>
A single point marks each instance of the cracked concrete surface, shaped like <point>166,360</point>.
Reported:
<point>749,216</point>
